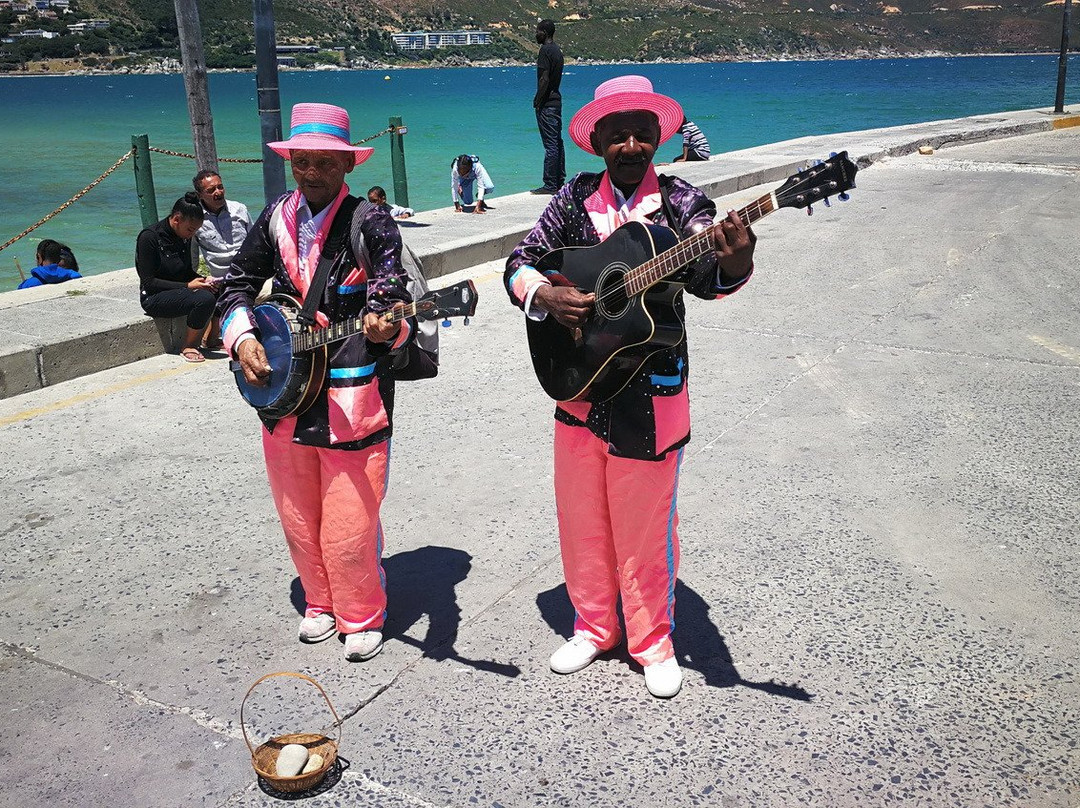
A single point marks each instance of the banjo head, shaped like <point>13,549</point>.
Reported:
<point>276,326</point>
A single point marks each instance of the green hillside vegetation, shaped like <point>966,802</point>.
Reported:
<point>607,30</point>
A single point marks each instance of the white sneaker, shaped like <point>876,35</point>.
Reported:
<point>362,645</point>
<point>574,655</point>
<point>318,628</point>
<point>664,679</point>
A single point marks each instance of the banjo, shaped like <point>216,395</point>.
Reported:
<point>298,356</point>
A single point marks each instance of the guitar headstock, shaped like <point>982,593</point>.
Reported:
<point>830,177</point>
<point>458,300</point>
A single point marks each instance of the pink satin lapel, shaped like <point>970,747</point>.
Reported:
<point>288,241</point>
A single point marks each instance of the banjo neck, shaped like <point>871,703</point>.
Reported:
<point>310,340</point>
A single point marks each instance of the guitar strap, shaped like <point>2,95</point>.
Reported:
<point>668,209</point>
<point>697,276</point>
<point>334,251</point>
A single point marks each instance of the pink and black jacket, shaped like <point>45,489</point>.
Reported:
<point>651,416</point>
<point>355,408</point>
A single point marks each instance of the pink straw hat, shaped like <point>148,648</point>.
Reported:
<point>320,127</point>
<point>625,94</point>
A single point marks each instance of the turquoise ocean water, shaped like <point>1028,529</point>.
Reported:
<point>59,133</point>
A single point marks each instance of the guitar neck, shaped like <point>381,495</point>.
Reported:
<point>689,250</point>
<point>310,340</point>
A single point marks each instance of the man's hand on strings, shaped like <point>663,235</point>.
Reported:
<point>253,362</point>
<point>734,245</point>
<point>566,304</point>
<point>378,329</point>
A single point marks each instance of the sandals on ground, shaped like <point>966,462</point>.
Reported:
<point>192,355</point>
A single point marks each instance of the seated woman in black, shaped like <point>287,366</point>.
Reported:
<point>168,285</point>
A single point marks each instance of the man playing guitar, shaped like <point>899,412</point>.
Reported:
<point>617,461</point>
<point>328,465</point>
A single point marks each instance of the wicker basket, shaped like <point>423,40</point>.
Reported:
<point>264,757</point>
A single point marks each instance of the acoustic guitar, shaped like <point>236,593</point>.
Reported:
<point>634,316</point>
<point>298,356</point>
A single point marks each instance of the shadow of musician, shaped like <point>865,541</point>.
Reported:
<point>698,643</point>
<point>422,582</point>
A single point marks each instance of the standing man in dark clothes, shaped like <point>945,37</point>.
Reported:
<point>548,105</point>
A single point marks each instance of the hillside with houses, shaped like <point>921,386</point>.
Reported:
<point>38,35</point>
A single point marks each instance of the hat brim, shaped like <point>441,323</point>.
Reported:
<point>666,109</point>
<point>312,142</point>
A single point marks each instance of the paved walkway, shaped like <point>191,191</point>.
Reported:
<point>876,601</point>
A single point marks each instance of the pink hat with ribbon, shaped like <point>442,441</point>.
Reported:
<point>320,127</point>
<point>625,94</point>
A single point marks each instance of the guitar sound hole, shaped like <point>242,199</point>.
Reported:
<point>611,300</point>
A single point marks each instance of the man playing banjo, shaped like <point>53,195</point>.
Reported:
<point>328,466</point>
<point>617,460</point>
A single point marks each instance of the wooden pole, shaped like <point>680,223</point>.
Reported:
<point>198,92</point>
<point>18,266</point>
<point>1063,60</point>
<point>266,87</point>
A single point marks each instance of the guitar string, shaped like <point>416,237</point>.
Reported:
<point>659,267</point>
<point>687,251</point>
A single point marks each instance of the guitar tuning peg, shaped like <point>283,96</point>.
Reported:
<point>819,162</point>
<point>832,154</point>
<point>843,196</point>
<point>827,203</point>
<point>809,210</point>
<point>446,322</point>
<point>465,321</point>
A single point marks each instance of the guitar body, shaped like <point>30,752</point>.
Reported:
<point>622,333</point>
<point>295,377</point>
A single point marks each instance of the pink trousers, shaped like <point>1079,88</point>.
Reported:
<point>328,501</point>
<point>617,532</point>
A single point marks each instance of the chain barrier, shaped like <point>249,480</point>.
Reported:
<point>192,156</point>
<point>71,201</point>
<point>388,130</point>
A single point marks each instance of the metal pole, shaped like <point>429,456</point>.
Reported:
<point>397,163</point>
<point>144,180</point>
<point>266,87</point>
<point>1063,59</point>
<point>198,92</point>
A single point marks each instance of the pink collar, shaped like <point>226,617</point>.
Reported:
<point>606,213</point>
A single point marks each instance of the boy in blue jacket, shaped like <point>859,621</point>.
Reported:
<point>49,269</point>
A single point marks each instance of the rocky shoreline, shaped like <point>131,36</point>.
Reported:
<point>170,65</point>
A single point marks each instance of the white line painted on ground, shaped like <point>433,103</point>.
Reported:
<point>827,378</point>
<point>1062,350</point>
<point>34,412</point>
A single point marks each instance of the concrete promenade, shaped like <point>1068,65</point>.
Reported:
<point>56,333</point>
<point>877,597</point>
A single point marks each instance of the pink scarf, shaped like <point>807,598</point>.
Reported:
<point>605,212</point>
